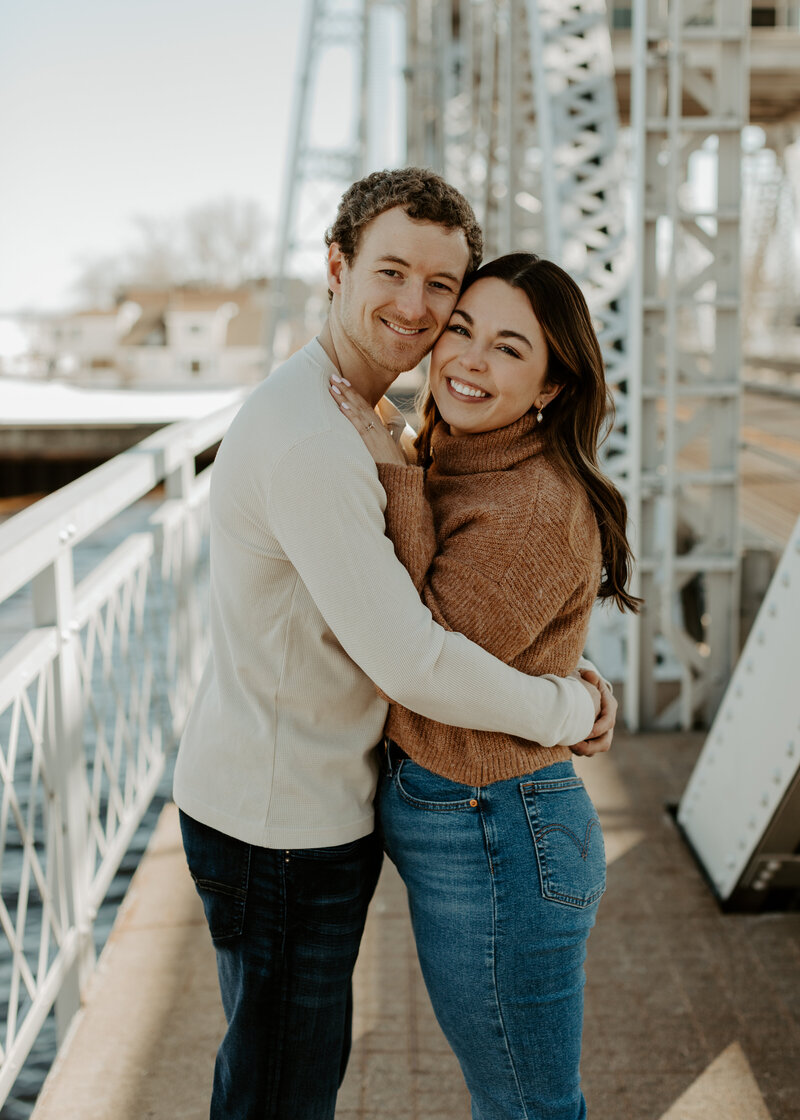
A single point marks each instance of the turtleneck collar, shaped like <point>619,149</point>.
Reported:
<point>485,451</point>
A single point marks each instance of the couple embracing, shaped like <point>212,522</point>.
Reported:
<point>396,636</point>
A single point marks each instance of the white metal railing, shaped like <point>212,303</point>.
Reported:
<point>92,698</point>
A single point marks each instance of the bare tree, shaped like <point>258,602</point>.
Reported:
<point>226,241</point>
<point>223,242</point>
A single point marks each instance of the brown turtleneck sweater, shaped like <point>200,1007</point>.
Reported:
<point>505,550</point>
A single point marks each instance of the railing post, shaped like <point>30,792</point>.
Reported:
<point>179,485</point>
<point>53,597</point>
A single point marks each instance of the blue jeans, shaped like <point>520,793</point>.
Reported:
<point>503,884</point>
<point>286,926</point>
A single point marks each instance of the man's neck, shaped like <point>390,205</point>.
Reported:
<point>366,378</point>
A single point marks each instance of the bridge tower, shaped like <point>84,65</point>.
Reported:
<point>334,48</point>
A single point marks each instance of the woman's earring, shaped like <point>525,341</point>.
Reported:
<point>539,417</point>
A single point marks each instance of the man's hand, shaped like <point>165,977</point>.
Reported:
<point>603,730</point>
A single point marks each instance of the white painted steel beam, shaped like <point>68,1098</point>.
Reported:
<point>740,810</point>
<point>687,240</point>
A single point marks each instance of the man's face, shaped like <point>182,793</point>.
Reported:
<point>395,298</point>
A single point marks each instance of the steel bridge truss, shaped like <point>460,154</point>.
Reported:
<point>690,102</point>
<point>514,102</point>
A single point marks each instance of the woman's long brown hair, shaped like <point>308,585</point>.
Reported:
<point>574,420</point>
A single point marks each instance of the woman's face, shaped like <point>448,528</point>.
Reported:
<point>490,366</point>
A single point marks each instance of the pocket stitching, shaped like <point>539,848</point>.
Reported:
<point>541,856</point>
<point>239,893</point>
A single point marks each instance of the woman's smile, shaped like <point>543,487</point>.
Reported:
<point>465,391</point>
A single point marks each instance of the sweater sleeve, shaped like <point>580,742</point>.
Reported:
<point>409,518</point>
<point>325,507</point>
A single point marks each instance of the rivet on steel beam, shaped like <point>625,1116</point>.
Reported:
<point>63,536</point>
<point>760,637</point>
<point>790,748</point>
<point>777,776</point>
<point>774,865</point>
<point>785,579</point>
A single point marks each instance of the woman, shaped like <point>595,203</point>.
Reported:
<point>510,533</point>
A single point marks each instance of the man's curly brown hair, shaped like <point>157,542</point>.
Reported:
<point>421,193</point>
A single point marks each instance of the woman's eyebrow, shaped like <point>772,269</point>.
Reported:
<point>500,334</point>
<point>514,334</point>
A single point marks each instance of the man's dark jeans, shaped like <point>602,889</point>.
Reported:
<point>286,926</point>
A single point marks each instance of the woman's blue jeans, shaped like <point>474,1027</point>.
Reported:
<point>503,883</point>
<point>286,926</point>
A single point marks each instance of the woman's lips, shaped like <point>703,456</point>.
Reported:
<point>469,394</point>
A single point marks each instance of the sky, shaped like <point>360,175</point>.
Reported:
<point>114,108</point>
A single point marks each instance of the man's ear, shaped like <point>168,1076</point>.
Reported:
<point>336,263</point>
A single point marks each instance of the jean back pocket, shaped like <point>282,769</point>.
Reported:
<point>568,840</point>
<point>220,868</point>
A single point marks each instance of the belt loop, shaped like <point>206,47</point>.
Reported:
<point>391,755</point>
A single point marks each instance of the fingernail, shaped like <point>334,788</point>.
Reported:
<point>335,390</point>
<point>347,406</point>
<point>347,383</point>
<point>335,377</point>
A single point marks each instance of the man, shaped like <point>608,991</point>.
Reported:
<point>310,611</point>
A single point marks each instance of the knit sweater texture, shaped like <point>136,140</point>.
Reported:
<point>506,550</point>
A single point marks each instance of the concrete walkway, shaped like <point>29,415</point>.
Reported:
<point>690,1014</point>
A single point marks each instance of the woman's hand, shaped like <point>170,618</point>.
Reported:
<point>366,422</point>
<point>603,730</point>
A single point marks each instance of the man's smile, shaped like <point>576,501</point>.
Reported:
<point>406,332</point>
